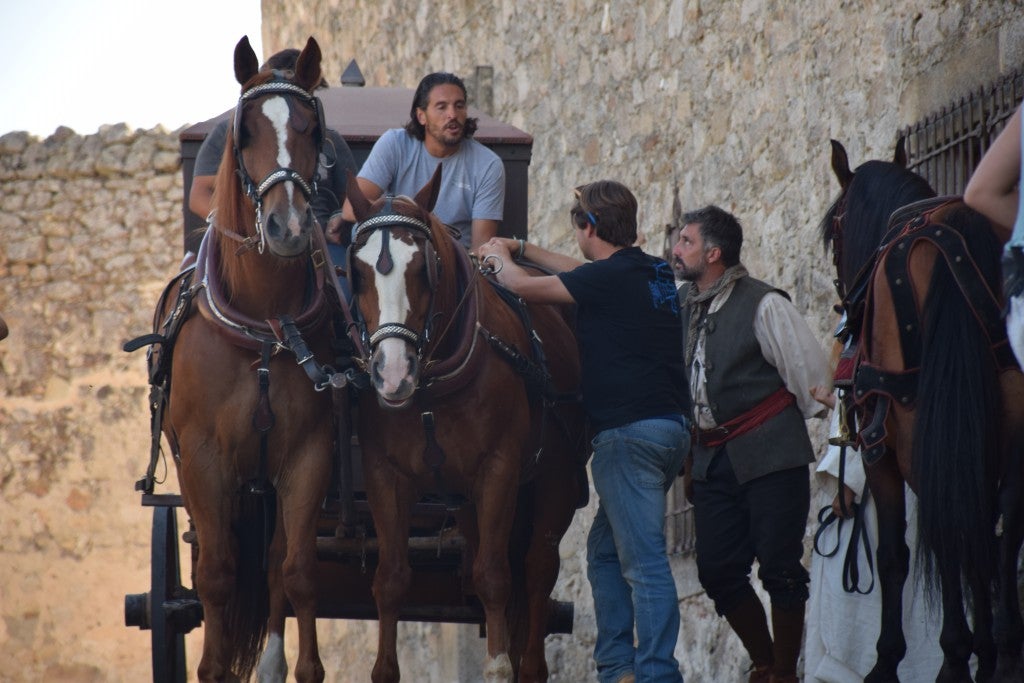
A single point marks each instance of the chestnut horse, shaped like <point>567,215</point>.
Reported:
<point>940,404</point>
<point>250,428</point>
<point>464,408</point>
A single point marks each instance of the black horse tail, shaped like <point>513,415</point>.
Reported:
<point>955,452</point>
<point>245,619</point>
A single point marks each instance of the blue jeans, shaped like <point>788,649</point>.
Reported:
<point>627,565</point>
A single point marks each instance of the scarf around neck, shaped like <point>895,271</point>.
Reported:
<point>699,302</point>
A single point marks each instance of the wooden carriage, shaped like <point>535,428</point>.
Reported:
<point>442,588</point>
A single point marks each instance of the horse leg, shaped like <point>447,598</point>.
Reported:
<point>955,638</point>
<point>984,645</point>
<point>273,667</point>
<point>389,496</point>
<point>553,509</point>
<point>492,578</point>
<point>301,494</point>
<point>893,559</point>
<point>215,584</point>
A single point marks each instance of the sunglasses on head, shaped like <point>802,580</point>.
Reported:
<point>579,200</point>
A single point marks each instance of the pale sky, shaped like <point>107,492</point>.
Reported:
<point>85,63</point>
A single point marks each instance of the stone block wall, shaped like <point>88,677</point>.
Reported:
<point>91,231</point>
<point>730,102</point>
<point>723,101</point>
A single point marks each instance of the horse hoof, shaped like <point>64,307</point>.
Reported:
<point>498,669</point>
<point>953,674</point>
<point>878,676</point>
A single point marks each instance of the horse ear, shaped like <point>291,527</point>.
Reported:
<point>307,66</point>
<point>427,196</point>
<point>354,195</point>
<point>246,64</point>
<point>900,156</point>
<point>841,165</point>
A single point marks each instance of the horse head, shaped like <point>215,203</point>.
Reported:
<point>396,250</point>
<point>273,147</point>
<point>857,220</point>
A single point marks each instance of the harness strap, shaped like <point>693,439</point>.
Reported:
<point>872,436</point>
<point>158,360</point>
<point>263,417</point>
<point>768,408</point>
<point>434,456</point>
<point>289,336</point>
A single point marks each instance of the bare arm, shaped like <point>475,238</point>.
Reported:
<point>200,195</point>
<point>544,289</point>
<point>483,229</point>
<point>994,187</point>
<point>549,260</point>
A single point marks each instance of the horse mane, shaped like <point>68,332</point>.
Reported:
<point>878,188</point>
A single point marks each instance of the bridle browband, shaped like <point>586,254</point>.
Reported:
<point>255,192</point>
<point>362,229</point>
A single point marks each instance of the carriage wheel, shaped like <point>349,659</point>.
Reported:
<point>168,641</point>
<point>161,610</point>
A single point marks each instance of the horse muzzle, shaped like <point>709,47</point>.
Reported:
<point>394,372</point>
<point>288,232</point>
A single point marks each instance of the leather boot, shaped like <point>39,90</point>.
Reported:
<point>788,626</point>
<point>749,622</point>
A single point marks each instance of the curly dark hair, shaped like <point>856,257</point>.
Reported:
<point>422,98</point>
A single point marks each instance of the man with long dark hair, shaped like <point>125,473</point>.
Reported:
<point>439,131</point>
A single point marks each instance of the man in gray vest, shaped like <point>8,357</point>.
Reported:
<point>751,361</point>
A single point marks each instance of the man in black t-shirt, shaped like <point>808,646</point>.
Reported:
<point>637,400</point>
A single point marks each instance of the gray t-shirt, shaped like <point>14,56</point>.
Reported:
<point>472,179</point>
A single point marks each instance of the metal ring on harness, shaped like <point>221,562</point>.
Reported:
<point>484,268</point>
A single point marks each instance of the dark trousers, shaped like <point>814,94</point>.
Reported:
<point>735,523</point>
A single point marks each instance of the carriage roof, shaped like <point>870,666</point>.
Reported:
<point>361,115</point>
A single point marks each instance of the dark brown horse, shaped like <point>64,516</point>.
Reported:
<point>463,409</point>
<point>250,431</point>
<point>940,404</point>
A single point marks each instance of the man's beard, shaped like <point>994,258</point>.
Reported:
<point>450,138</point>
<point>683,272</point>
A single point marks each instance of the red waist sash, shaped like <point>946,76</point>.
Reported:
<point>741,424</point>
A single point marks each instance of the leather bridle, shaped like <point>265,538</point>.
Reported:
<point>386,219</point>
<point>257,191</point>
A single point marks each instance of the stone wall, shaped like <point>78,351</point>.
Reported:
<point>730,102</point>
<point>90,228</point>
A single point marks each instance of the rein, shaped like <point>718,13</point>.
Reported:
<point>826,516</point>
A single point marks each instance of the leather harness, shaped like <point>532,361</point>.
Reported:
<point>875,389</point>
